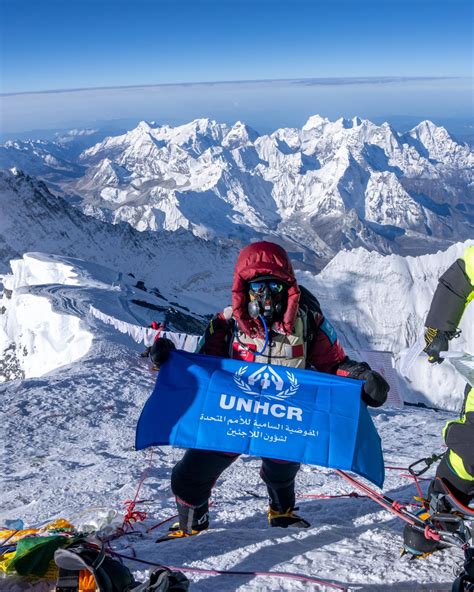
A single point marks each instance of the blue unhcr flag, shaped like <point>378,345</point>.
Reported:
<point>277,412</point>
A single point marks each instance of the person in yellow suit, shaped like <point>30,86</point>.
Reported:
<point>456,469</point>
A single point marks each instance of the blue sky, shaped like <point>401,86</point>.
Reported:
<point>71,44</point>
<point>51,44</point>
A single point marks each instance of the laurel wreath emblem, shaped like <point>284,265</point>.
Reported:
<point>294,386</point>
<point>290,391</point>
<point>241,384</point>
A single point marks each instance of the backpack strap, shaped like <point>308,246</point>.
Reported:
<point>310,307</point>
<point>82,555</point>
<point>68,581</point>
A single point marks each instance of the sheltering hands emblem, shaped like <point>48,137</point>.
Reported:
<point>269,380</point>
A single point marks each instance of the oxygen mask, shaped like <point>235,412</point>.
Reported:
<point>267,298</point>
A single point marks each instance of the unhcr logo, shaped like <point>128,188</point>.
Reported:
<point>269,380</point>
<point>271,386</point>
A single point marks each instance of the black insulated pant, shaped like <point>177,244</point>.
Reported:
<point>195,474</point>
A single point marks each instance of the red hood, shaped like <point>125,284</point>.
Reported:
<point>263,259</point>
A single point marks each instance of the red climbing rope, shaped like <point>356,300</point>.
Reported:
<point>132,515</point>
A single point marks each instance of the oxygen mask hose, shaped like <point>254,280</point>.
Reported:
<point>246,347</point>
<point>265,326</point>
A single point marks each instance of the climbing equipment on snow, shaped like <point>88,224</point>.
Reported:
<point>433,528</point>
<point>85,566</point>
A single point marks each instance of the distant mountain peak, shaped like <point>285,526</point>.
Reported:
<point>314,122</point>
<point>145,126</point>
<point>240,134</point>
<point>427,127</point>
<point>328,185</point>
<point>201,125</point>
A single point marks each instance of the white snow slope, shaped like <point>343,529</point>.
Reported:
<point>69,436</point>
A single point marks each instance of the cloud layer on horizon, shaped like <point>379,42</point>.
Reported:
<point>262,104</point>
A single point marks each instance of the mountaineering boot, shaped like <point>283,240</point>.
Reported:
<point>443,513</point>
<point>414,541</point>
<point>146,353</point>
<point>286,519</point>
<point>192,521</point>
<point>281,509</point>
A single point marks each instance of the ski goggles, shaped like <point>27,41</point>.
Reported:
<point>274,286</point>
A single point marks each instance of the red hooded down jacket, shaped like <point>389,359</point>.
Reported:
<point>260,259</point>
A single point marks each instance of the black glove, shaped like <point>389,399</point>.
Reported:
<point>437,341</point>
<point>160,351</point>
<point>375,389</point>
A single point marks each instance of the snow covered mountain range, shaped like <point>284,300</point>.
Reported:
<point>33,219</point>
<point>326,186</point>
